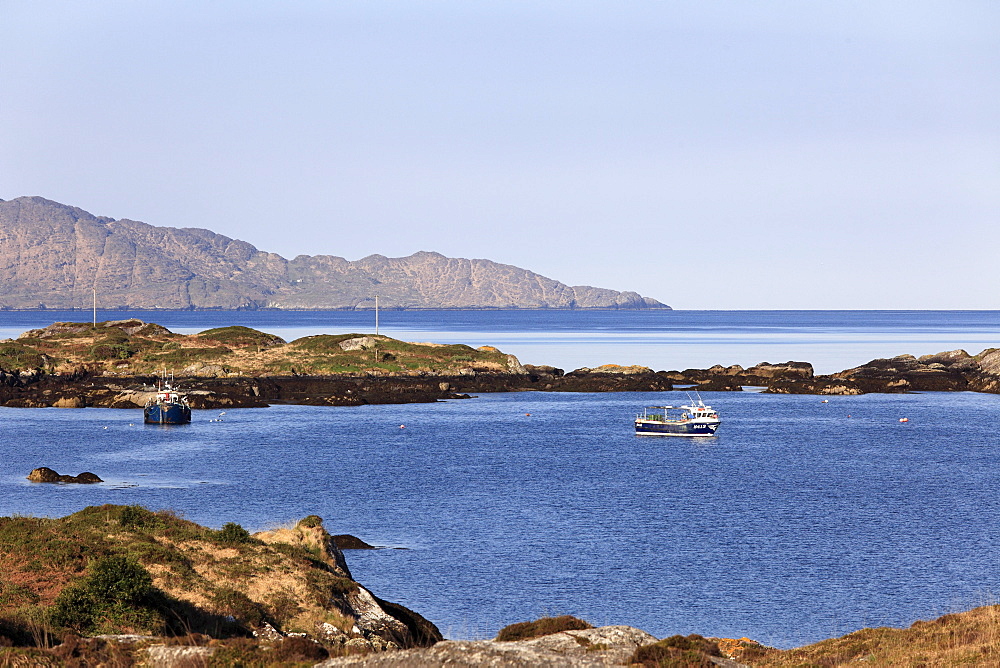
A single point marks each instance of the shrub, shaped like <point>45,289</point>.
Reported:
<point>14,355</point>
<point>542,627</point>
<point>677,652</point>
<point>311,521</point>
<point>112,351</point>
<point>137,517</point>
<point>233,533</point>
<point>116,594</point>
<point>119,579</point>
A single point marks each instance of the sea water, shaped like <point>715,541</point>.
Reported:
<point>801,520</point>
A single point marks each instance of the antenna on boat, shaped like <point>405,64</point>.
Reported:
<point>696,400</point>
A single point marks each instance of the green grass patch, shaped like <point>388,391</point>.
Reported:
<point>17,356</point>
<point>238,336</point>
<point>323,344</point>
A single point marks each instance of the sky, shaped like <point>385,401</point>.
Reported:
<point>709,154</point>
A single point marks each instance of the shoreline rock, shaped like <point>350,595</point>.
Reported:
<point>349,542</point>
<point>603,646</point>
<point>951,371</point>
<point>45,474</point>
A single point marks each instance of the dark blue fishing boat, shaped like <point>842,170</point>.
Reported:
<point>695,419</point>
<point>167,407</point>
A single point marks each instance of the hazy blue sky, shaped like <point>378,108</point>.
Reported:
<point>798,154</point>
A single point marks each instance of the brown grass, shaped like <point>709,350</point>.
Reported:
<point>961,639</point>
<point>39,558</point>
<point>541,627</point>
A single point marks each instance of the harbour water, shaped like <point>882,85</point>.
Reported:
<point>800,520</point>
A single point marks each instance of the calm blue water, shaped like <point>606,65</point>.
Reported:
<point>794,524</point>
<point>831,340</point>
<point>799,521</point>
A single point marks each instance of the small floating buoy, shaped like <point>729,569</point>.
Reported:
<point>904,419</point>
<point>527,414</point>
<point>825,401</point>
<point>402,426</point>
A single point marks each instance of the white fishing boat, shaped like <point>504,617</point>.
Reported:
<point>693,419</point>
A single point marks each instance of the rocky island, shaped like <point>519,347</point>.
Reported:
<point>116,364</point>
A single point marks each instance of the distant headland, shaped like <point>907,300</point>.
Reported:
<point>55,256</point>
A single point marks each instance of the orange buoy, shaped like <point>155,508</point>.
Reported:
<point>904,419</point>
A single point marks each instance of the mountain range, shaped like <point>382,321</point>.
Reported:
<point>54,256</point>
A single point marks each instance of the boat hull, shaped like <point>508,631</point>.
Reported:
<point>166,414</point>
<point>657,428</point>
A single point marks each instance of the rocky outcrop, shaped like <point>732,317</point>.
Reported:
<point>310,534</point>
<point>348,542</point>
<point>45,474</point>
<point>604,378</point>
<point>359,343</point>
<point>944,372</point>
<point>53,256</point>
<point>604,646</point>
<point>631,370</point>
<point>202,582</point>
<point>69,402</point>
<point>718,378</point>
<point>784,371</point>
<point>373,617</point>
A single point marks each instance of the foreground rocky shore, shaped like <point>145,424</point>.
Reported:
<point>122,586</point>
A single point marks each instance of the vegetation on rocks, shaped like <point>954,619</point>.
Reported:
<point>226,597</point>
<point>541,627</point>
<point>125,569</point>
<point>970,638</point>
<point>132,347</point>
<point>678,651</point>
